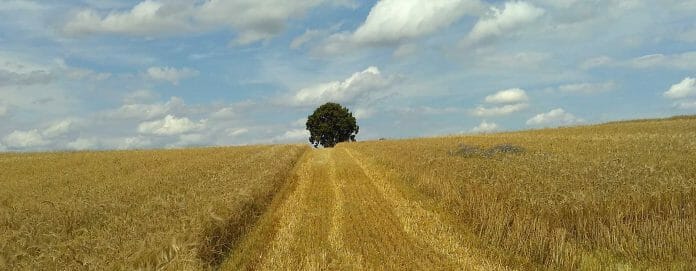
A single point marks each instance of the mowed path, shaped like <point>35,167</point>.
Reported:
<point>343,215</point>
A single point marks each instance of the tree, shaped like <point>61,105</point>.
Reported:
<point>331,124</point>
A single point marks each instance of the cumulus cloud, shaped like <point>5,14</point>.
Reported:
<point>395,20</point>
<point>170,125</point>
<point>556,116</point>
<point>135,142</point>
<point>57,129</point>
<point>188,140</point>
<point>144,19</point>
<point>486,127</point>
<point>358,86</point>
<point>513,16</point>
<point>146,111</point>
<point>81,144</point>
<point>508,96</point>
<point>507,109</point>
<point>294,135</point>
<point>253,20</point>
<point>683,89</point>
<point>505,102</point>
<point>25,139</point>
<point>171,75</point>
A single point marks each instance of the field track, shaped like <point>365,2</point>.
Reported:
<point>342,215</point>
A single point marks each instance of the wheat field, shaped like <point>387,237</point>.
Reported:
<point>125,210</point>
<point>613,196</point>
<point>616,196</point>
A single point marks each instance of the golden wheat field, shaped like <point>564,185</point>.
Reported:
<point>180,209</point>
<point>617,196</point>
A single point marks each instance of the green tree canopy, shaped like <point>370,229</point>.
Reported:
<point>331,124</point>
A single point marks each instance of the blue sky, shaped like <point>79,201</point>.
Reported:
<point>77,75</point>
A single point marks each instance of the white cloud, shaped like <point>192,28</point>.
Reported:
<point>498,110</point>
<point>508,96</point>
<point>233,132</point>
<point>57,129</point>
<point>25,139</point>
<point>358,86</point>
<point>405,50</point>
<point>507,101</point>
<point>486,127</point>
<point>679,61</point>
<point>170,125</point>
<point>556,116</point>
<point>146,111</point>
<point>24,78</point>
<point>686,105</point>
<point>362,113</point>
<point>683,89</point>
<point>301,122</point>
<point>307,36</point>
<point>81,144</point>
<point>295,135</point>
<point>594,62</point>
<point>78,73</point>
<point>171,75</point>
<point>254,20</point>
<point>395,20</point>
<point>187,140</point>
<point>140,96</point>
<point>398,22</point>
<point>135,142</point>
<point>513,16</point>
<point>587,88</point>
<point>144,19</point>
<point>225,113</point>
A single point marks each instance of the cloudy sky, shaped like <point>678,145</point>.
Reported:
<point>108,74</point>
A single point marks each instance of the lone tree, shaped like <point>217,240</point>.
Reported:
<point>331,124</point>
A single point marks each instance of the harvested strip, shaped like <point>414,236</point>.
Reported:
<point>423,224</point>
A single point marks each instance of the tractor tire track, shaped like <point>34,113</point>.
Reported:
<point>342,215</point>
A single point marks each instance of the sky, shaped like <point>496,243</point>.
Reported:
<point>102,75</point>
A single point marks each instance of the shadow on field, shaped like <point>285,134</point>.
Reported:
<point>221,238</point>
<point>471,151</point>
